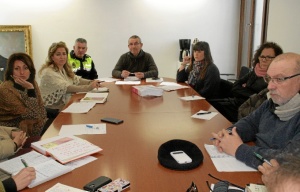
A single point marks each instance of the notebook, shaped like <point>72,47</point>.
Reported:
<point>65,148</point>
<point>46,168</point>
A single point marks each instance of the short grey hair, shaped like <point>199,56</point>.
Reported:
<point>80,40</point>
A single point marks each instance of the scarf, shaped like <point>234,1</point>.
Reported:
<point>194,74</point>
<point>287,111</point>
<point>259,71</point>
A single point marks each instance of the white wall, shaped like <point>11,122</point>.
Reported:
<point>284,24</point>
<point>107,25</point>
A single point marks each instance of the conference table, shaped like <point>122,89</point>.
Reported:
<point>130,149</point>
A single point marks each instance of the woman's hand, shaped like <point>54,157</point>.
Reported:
<point>22,82</point>
<point>95,84</point>
<point>24,177</point>
<point>19,137</point>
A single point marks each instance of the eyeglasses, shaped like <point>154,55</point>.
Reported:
<point>267,58</point>
<point>278,80</point>
<point>135,44</point>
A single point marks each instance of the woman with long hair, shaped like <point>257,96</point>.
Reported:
<point>201,73</point>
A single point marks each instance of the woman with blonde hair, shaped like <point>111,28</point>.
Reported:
<point>58,81</point>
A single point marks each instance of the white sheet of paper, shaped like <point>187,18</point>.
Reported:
<point>132,78</point>
<point>108,79</point>
<point>191,98</point>
<point>80,129</point>
<point>58,187</point>
<point>170,83</point>
<point>80,162</point>
<point>80,107</point>
<point>150,80</point>
<point>128,82</point>
<point>226,163</point>
<point>204,116</point>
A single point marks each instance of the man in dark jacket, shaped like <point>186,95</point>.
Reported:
<point>136,62</point>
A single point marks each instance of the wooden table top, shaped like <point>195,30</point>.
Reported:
<point>130,149</point>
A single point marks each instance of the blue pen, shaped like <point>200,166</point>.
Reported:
<point>89,126</point>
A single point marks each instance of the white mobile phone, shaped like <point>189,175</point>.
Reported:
<point>181,157</point>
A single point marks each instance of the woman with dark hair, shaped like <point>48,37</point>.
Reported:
<point>201,73</point>
<point>21,104</point>
<point>58,81</point>
<point>251,83</point>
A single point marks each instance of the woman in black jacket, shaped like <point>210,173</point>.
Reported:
<point>201,73</point>
<point>251,83</point>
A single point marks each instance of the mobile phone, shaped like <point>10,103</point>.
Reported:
<point>97,183</point>
<point>116,185</point>
<point>181,157</point>
<point>112,120</point>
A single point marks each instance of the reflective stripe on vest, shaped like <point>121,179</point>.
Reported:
<point>75,63</point>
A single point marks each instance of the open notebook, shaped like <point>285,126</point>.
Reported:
<point>46,168</point>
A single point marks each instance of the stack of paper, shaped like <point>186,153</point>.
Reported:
<point>171,86</point>
<point>147,90</point>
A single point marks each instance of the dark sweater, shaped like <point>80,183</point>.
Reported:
<point>271,135</point>
<point>143,62</point>
<point>207,87</point>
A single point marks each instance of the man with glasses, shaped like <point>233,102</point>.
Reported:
<point>136,62</point>
<point>275,126</point>
<point>251,83</point>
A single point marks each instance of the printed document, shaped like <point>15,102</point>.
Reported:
<point>226,163</point>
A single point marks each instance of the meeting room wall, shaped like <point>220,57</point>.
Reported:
<point>107,25</point>
<point>284,24</point>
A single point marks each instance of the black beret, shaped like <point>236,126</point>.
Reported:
<point>166,160</point>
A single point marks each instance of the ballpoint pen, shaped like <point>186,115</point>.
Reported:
<point>203,113</point>
<point>263,159</point>
<point>228,130</point>
<point>24,163</point>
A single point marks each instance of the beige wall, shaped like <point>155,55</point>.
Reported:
<point>284,24</point>
<point>107,25</point>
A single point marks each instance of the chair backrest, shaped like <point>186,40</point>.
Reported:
<point>1,74</point>
<point>244,71</point>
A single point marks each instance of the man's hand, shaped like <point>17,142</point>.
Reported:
<point>227,143</point>
<point>125,74</point>
<point>139,75</point>
<point>268,171</point>
<point>24,177</point>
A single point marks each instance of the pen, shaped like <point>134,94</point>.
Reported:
<point>203,113</point>
<point>24,162</point>
<point>228,130</point>
<point>263,159</point>
<point>91,127</point>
